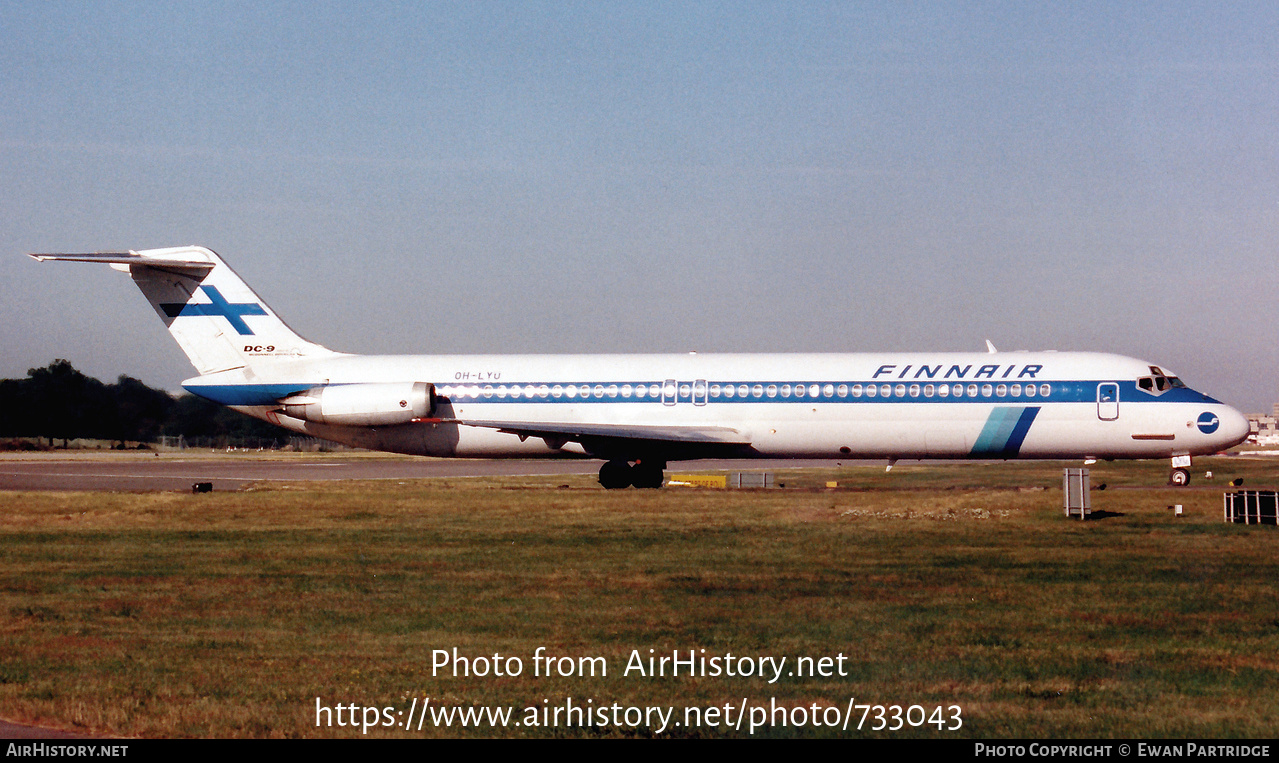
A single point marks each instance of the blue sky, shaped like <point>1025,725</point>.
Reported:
<point>597,177</point>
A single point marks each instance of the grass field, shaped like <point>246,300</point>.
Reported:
<point>229,614</point>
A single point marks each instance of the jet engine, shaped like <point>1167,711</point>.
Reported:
<point>375,404</point>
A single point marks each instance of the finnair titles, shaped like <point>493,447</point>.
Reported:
<point>637,413</point>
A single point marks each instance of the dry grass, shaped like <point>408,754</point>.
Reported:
<point>167,614</point>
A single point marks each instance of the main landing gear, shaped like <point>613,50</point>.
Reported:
<point>616,475</point>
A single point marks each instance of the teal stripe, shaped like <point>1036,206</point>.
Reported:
<point>999,427</point>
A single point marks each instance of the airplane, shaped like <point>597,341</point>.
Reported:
<point>638,413</point>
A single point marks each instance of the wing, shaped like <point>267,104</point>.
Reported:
<point>629,441</point>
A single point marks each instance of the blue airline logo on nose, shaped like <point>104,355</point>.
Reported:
<point>217,305</point>
<point>1208,422</point>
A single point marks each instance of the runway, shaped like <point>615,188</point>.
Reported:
<point>131,472</point>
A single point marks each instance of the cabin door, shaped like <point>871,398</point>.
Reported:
<point>1108,401</point>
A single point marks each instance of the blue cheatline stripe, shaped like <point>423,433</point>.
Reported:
<point>1059,391</point>
<point>992,435</point>
<point>1004,432</point>
<point>248,394</point>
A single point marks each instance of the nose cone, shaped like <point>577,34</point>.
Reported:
<point>1232,429</point>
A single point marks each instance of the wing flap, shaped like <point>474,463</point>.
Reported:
<point>629,440</point>
<point>715,435</point>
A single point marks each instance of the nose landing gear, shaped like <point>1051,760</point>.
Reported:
<point>1180,474</point>
<point>615,475</point>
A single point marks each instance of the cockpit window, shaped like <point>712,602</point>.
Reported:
<point>1158,382</point>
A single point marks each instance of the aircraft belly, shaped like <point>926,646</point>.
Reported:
<point>790,430</point>
<point>476,442</point>
<point>1073,430</point>
<point>838,432</point>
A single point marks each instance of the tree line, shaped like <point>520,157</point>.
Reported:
<point>60,403</point>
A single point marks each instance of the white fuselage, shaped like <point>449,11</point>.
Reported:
<point>905,405</point>
<point>639,411</point>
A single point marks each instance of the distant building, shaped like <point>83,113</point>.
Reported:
<point>1265,428</point>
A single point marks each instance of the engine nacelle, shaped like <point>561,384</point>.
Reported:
<point>376,404</point>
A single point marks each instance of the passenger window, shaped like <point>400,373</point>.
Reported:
<point>885,390</point>
<point>843,390</point>
<point>1045,390</point>
<point>857,390</point>
<point>772,390</point>
<point>871,390</point>
<point>900,390</point>
<point>914,390</point>
<point>1001,390</point>
<point>986,390</point>
<point>1015,390</point>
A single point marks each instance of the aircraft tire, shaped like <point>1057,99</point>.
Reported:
<point>615,475</point>
<point>1179,478</point>
<point>646,476</point>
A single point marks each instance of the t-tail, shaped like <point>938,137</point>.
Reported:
<point>215,317</point>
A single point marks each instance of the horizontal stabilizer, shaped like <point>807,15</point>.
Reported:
<point>132,259</point>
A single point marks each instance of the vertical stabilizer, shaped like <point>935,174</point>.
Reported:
<point>212,313</point>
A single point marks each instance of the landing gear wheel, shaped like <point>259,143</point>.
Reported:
<point>615,475</point>
<point>1179,478</point>
<point>646,475</point>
